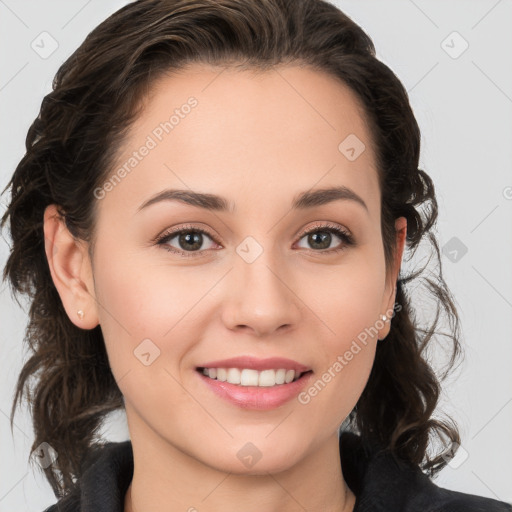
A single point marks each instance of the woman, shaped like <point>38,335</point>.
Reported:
<point>210,221</point>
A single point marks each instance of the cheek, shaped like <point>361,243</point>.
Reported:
<point>148,327</point>
<point>347,312</point>
<point>347,299</point>
<point>137,303</point>
<point>147,299</point>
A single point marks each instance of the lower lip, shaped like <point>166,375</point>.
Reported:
<point>255,397</point>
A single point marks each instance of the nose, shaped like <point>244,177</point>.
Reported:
<point>260,298</point>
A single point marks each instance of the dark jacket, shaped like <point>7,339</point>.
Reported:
<point>380,483</point>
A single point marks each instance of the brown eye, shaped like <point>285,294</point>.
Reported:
<point>185,240</point>
<point>321,237</point>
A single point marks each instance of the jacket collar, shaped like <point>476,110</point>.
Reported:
<point>379,481</point>
<point>382,482</point>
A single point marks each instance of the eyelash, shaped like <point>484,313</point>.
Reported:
<point>345,236</point>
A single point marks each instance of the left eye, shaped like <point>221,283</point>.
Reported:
<point>322,236</point>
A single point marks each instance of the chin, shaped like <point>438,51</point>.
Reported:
<point>253,457</point>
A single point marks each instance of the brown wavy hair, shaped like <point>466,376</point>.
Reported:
<point>71,147</point>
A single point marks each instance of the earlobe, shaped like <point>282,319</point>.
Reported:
<point>70,269</point>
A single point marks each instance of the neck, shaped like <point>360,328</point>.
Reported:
<point>165,478</point>
<point>346,504</point>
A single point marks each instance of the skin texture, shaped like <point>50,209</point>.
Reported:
<point>257,139</point>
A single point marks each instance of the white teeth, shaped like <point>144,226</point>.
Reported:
<point>280,376</point>
<point>234,376</point>
<point>250,377</point>
<point>290,375</point>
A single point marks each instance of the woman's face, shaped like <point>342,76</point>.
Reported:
<point>253,284</point>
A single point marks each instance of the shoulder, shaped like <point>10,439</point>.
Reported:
<point>105,476</point>
<point>400,487</point>
<point>382,482</point>
<point>454,501</point>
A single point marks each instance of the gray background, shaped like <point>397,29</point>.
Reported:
<point>463,103</point>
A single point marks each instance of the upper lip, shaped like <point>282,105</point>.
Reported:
<point>257,364</point>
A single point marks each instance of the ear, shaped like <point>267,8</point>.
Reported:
<point>71,270</point>
<point>389,296</point>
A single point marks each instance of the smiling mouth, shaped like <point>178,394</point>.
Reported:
<point>245,377</point>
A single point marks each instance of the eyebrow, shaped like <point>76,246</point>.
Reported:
<point>212,202</point>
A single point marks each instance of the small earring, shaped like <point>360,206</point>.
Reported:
<point>384,318</point>
<point>80,314</point>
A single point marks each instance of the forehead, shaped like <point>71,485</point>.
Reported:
<point>272,132</point>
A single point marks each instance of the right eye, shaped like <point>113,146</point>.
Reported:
<point>189,240</point>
